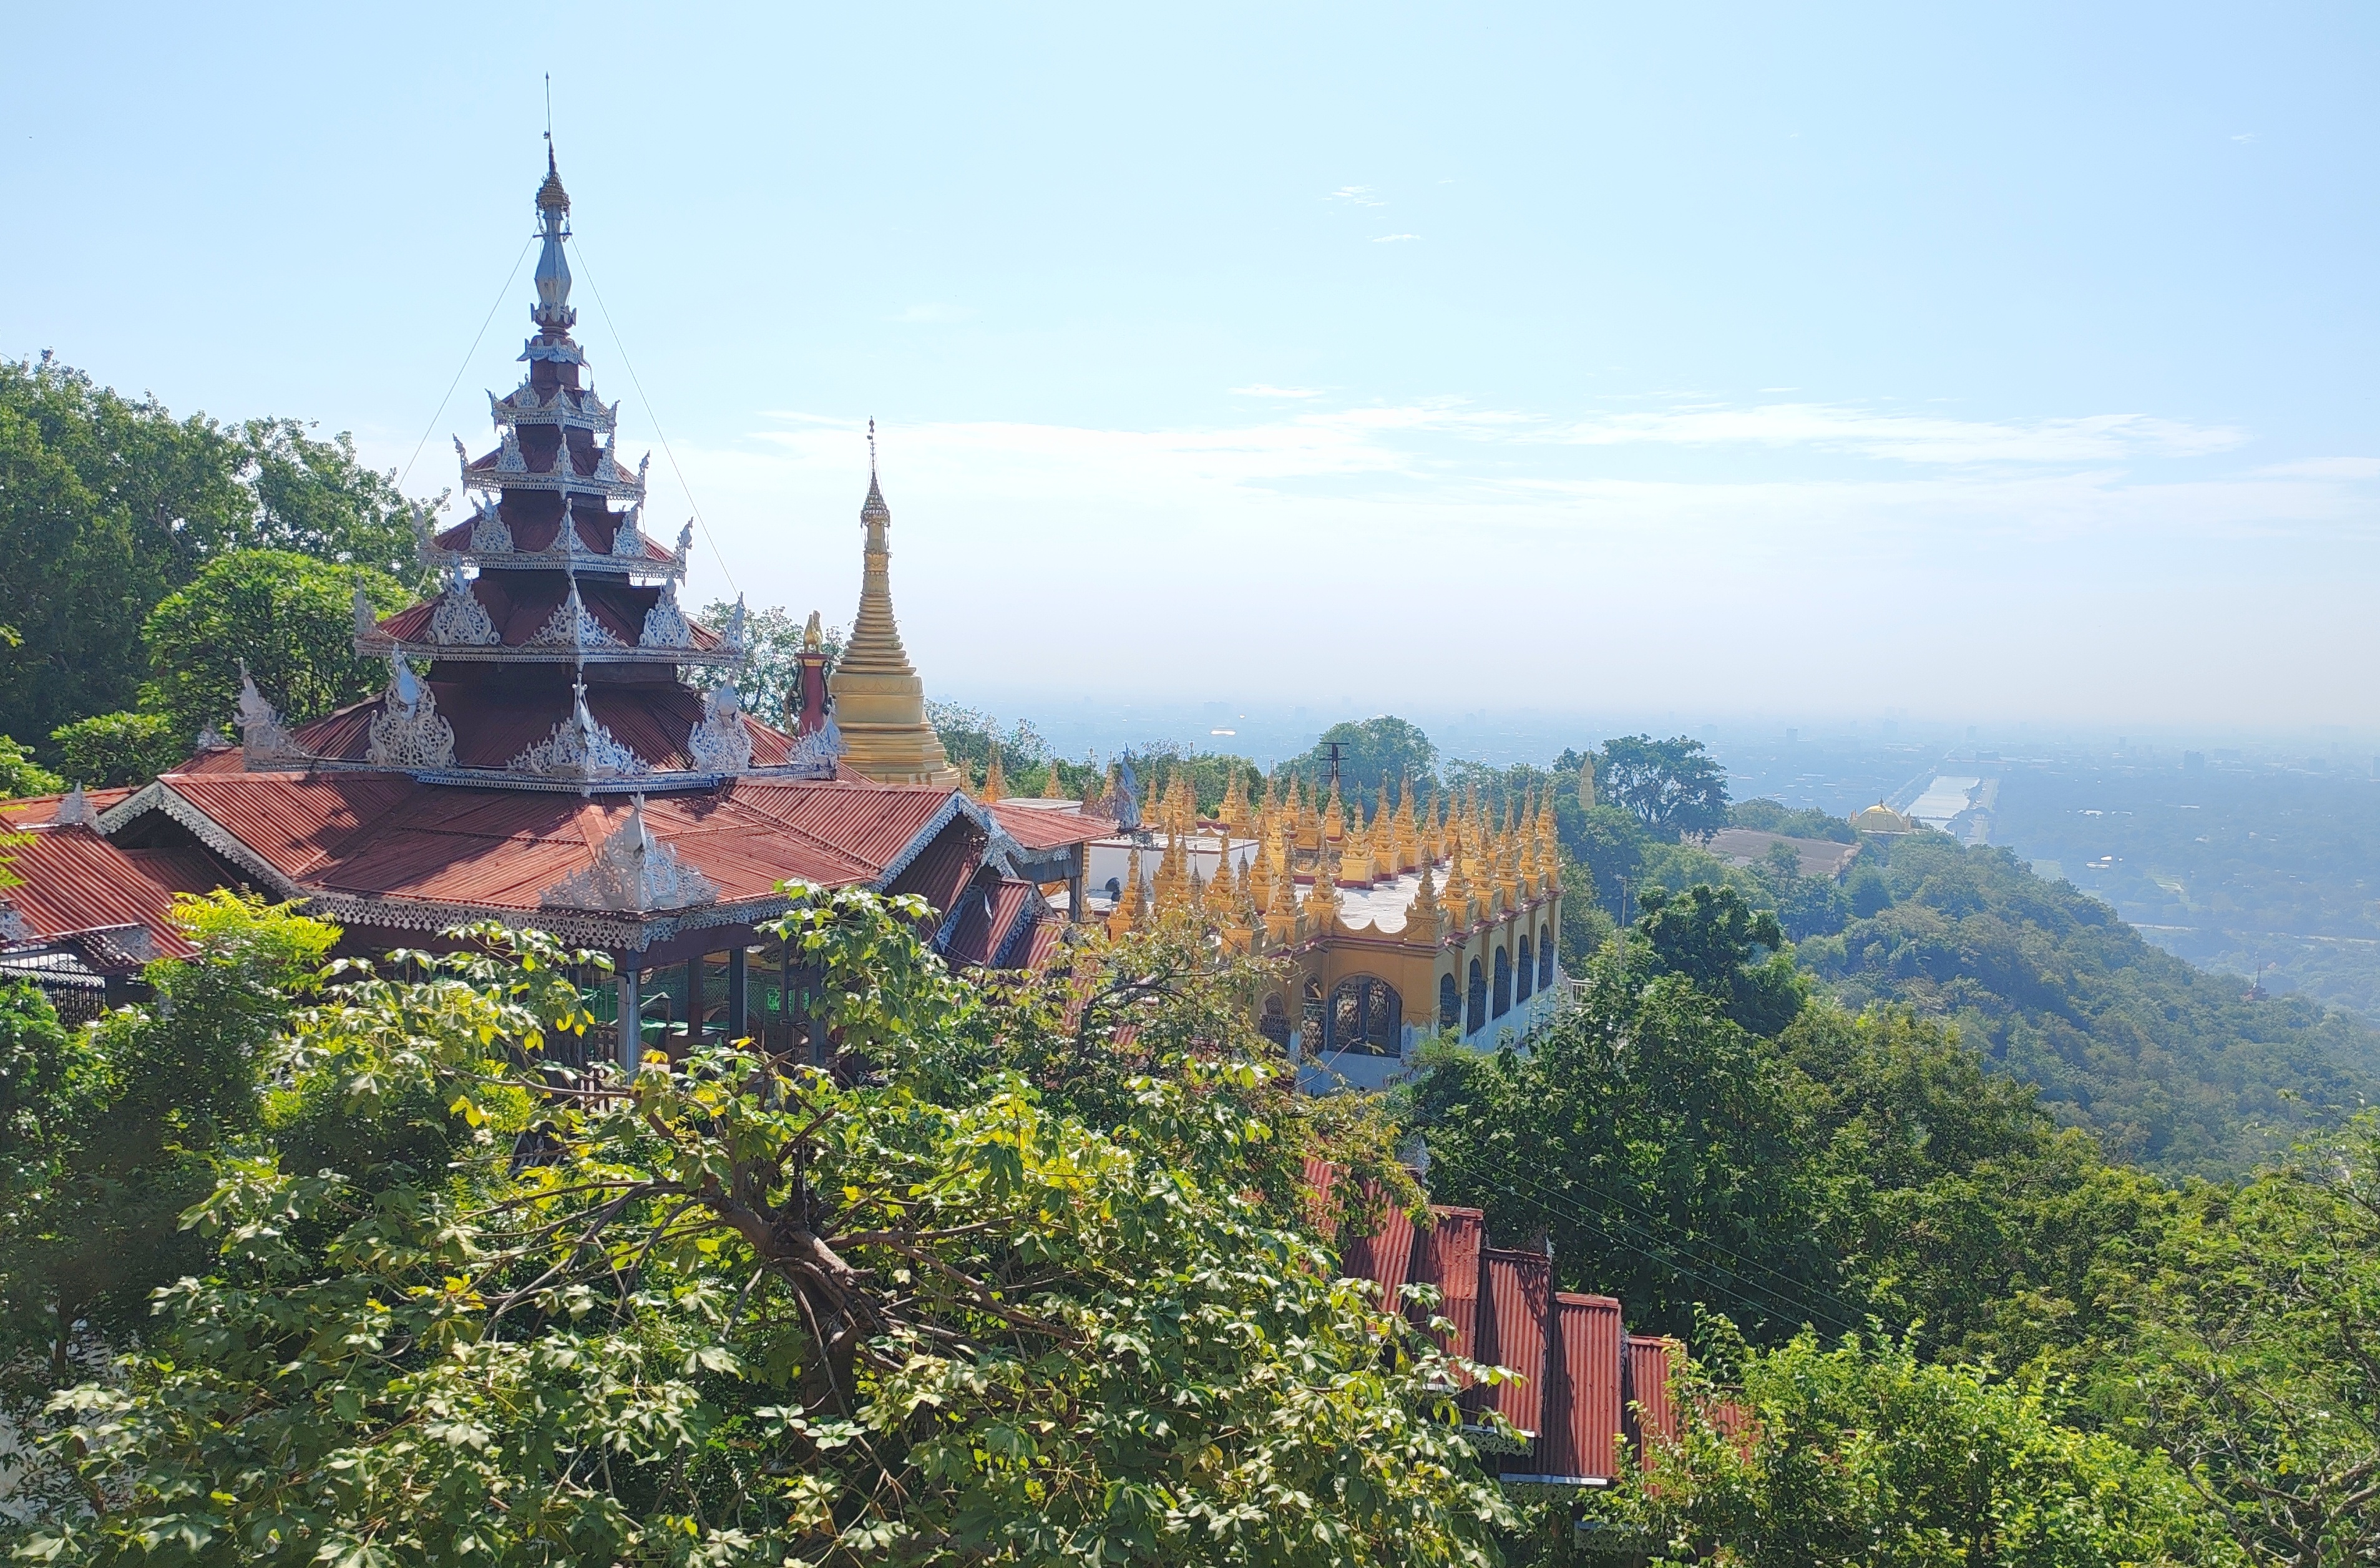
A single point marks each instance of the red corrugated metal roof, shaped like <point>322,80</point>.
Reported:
<point>40,811</point>
<point>1448,1258</point>
<point>382,835</point>
<point>1042,827</point>
<point>70,879</point>
<point>1583,1388</point>
<point>941,873</point>
<point>872,821</point>
<point>1384,1257</point>
<point>1517,1297</point>
<point>987,918</point>
<point>495,724</point>
<point>1652,1391</point>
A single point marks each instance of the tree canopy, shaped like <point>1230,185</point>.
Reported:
<point>1672,786</point>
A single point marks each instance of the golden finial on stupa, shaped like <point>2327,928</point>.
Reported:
<point>1322,898</point>
<point>1422,918</point>
<point>1234,812</point>
<point>1334,816</point>
<point>1056,788</point>
<point>995,780</point>
<point>1170,886</point>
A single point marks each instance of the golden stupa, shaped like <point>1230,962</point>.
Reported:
<point>879,703</point>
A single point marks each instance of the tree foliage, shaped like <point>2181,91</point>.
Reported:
<point>908,1309</point>
<point>1863,1453</point>
<point>1672,786</point>
<point>290,616</point>
<point>107,750</point>
<point>1373,755</point>
<point>21,774</point>
<point>109,504</point>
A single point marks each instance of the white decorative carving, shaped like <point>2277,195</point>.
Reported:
<point>508,454</point>
<point>12,924</point>
<point>74,810</point>
<point>732,635</point>
<point>490,535</point>
<point>368,632</point>
<point>580,749</point>
<point>425,537</point>
<point>460,618</point>
<point>719,742</point>
<point>211,739</point>
<point>571,626</point>
<point>633,872</point>
<point>665,623</point>
<point>685,545</point>
<point>262,736</point>
<point>817,752</point>
<point>628,540</point>
<point>408,733</point>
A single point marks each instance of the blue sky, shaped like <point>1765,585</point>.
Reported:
<point>2012,362</point>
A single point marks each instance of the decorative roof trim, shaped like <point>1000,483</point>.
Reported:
<point>579,750</point>
<point>633,872</point>
<point>181,809</point>
<point>460,619</point>
<point>953,804</point>
<point>408,732</point>
<point>572,626</point>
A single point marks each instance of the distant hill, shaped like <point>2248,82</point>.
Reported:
<point>2174,1069</point>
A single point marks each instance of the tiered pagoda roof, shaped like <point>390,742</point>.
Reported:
<point>575,755</point>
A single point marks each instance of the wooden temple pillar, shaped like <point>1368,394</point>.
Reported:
<point>631,1011</point>
<point>739,982</point>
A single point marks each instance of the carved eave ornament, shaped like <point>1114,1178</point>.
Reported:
<point>719,742</point>
<point>460,619</point>
<point>580,751</point>
<point>633,873</point>
<point>266,742</point>
<point>407,736</point>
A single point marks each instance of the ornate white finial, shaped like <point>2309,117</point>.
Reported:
<point>460,617</point>
<point>74,808</point>
<point>579,749</point>
<point>263,739</point>
<point>719,742</point>
<point>733,633</point>
<point>408,733</point>
<point>571,626</point>
<point>633,874</point>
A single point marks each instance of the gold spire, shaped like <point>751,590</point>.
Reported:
<point>1322,898</point>
<point>1235,814</point>
<point>1128,904</point>
<point>1422,918</point>
<point>1258,876</point>
<point>879,703</point>
<point>995,779</point>
<point>1334,816</point>
<point>1056,788</point>
<point>1170,890</point>
<point>1281,909</point>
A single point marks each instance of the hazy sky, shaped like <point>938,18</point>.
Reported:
<point>1981,362</point>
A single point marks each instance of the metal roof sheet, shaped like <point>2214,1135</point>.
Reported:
<point>71,881</point>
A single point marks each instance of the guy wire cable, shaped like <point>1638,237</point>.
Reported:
<point>617,342</point>
<point>466,365</point>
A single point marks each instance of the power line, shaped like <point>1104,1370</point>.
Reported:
<point>466,365</point>
<point>1797,1300</point>
<point>1795,1293</point>
<point>646,397</point>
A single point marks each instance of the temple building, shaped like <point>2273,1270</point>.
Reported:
<point>560,745</point>
<point>1429,916</point>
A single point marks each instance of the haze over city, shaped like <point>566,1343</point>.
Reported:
<point>1979,367</point>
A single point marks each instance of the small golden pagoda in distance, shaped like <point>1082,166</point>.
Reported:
<point>879,703</point>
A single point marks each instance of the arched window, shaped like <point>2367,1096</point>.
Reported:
<point>1274,1025</point>
<point>1524,975</point>
<point>1366,1016</point>
<point>1545,956</point>
<point>1474,1016</point>
<point>1449,1003</point>
<point>1503,982</point>
<point>1312,1022</point>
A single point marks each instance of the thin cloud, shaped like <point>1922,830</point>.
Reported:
<point>1355,196</point>
<point>1261,390</point>
<point>933,314</point>
<point>1910,438</point>
<point>1393,239</point>
<point>2325,469</point>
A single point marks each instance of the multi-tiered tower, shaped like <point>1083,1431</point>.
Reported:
<point>558,654</point>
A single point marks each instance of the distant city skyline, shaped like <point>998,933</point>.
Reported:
<point>1989,368</point>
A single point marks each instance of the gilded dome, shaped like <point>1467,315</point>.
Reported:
<point>1882,819</point>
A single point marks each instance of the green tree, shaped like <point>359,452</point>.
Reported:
<point>108,1133</point>
<point>1374,754</point>
<point>1672,786</point>
<point>746,1311</point>
<point>1725,949</point>
<point>290,616</point>
<point>1608,844</point>
<point>106,506</point>
<point>2256,1361</point>
<point>107,750</point>
<point>1861,1454</point>
<point>317,498</point>
<point>19,774</point>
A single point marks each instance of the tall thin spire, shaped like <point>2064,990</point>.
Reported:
<point>880,703</point>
